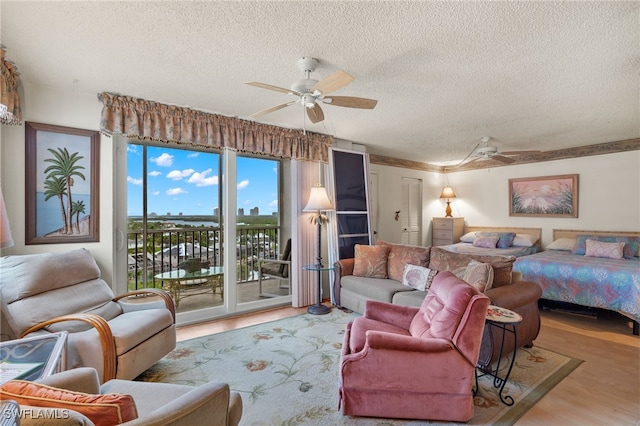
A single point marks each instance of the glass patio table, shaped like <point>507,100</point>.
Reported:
<point>179,279</point>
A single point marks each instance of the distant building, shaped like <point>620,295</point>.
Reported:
<point>153,214</point>
<point>216,212</point>
<point>254,211</point>
<point>240,212</point>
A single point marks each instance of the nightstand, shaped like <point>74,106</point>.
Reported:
<point>447,230</point>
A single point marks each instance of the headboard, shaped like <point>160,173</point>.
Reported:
<point>531,231</point>
<point>573,233</point>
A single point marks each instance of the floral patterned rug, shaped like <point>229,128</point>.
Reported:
<point>287,373</point>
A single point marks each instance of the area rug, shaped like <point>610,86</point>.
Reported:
<point>287,373</point>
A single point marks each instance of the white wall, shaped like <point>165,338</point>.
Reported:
<point>608,195</point>
<point>69,109</point>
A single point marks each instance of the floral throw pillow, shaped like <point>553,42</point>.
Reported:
<point>478,275</point>
<point>603,249</point>
<point>485,241</point>
<point>505,239</point>
<point>401,255</point>
<point>418,277</point>
<point>370,261</point>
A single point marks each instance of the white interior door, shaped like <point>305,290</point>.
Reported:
<point>411,211</point>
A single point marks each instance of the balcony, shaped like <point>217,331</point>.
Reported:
<point>167,249</point>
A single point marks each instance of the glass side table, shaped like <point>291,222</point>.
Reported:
<point>47,353</point>
<point>506,321</point>
<point>318,308</point>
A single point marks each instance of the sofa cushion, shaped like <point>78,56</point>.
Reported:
<point>401,255</point>
<point>409,298</point>
<point>444,260</point>
<point>418,277</point>
<point>370,261</point>
<point>373,288</point>
<point>102,410</point>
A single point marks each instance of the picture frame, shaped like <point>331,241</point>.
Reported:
<point>62,184</point>
<point>545,196</point>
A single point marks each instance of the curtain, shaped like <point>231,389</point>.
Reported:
<point>142,119</point>
<point>9,95</point>
<point>304,235</point>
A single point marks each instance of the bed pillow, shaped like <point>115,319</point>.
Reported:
<point>401,255</point>
<point>485,241</point>
<point>103,410</point>
<point>468,237</point>
<point>603,249</point>
<point>525,240</point>
<point>477,274</point>
<point>564,244</point>
<point>370,261</point>
<point>630,250</point>
<point>418,277</point>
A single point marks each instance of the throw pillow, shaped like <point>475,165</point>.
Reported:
<point>601,249</point>
<point>418,277</point>
<point>525,240</point>
<point>401,255</point>
<point>485,241</point>
<point>505,239</point>
<point>370,261</point>
<point>564,244</point>
<point>444,260</point>
<point>630,250</point>
<point>103,410</point>
<point>478,275</point>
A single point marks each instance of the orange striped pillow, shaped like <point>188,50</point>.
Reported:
<point>103,410</point>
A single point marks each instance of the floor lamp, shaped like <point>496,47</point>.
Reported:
<point>318,202</point>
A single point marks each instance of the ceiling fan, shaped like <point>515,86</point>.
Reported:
<point>486,152</point>
<point>310,92</point>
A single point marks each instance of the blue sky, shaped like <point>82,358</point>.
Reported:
<point>187,182</point>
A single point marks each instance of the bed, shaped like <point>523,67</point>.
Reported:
<point>525,242</point>
<point>566,274</point>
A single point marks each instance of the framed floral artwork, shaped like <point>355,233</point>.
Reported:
<point>546,196</point>
<point>62,184</point>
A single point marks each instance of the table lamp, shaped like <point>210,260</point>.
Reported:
<point>447,192</point>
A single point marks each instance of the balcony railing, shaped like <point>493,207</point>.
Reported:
<point>165,249</point>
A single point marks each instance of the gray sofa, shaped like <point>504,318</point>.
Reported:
<point>508,291</point>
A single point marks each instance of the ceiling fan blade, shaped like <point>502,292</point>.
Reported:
<point>315,114</point>
<point>332,83</point>
<point>520,152</point>
<point>273,108</point>
<point>502,159</point>
<point>350,101</point>
<point>271,87</point>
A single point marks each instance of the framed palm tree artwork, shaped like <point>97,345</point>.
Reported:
<point>62,184</point>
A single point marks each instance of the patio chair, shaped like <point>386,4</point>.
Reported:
<point>278,269</point>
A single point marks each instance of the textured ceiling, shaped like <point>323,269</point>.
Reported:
<point>533,75</point>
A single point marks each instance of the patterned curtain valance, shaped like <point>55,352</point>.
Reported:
<point>142,119</point>
<point>10,111</point>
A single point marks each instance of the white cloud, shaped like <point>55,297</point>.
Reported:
<point>155,173</point>
<point>179,174</point>
<point>132,148</point>
<point>201,178</point>
<point>134,181</point>
<point>176,191</point>
<point>274,203</point>
<point>155,193</point>
<point>165,160</point>
<point>193,155</point>
<point>243,184</point>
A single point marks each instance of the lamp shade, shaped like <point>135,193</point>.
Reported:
<point>447,192</point>
<point>318,200</point>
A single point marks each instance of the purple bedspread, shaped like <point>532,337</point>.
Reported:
<point>612,284</point>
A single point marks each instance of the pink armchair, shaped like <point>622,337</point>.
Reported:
<point>415,363</point>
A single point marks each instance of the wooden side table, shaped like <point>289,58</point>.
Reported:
<point>505,321</point>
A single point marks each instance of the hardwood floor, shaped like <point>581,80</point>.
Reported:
<point>603,390</point>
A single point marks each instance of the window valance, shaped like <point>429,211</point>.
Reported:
<point>143,119</point>
<point>10,110</point>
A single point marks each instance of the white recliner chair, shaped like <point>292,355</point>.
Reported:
<point>118,336</point>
